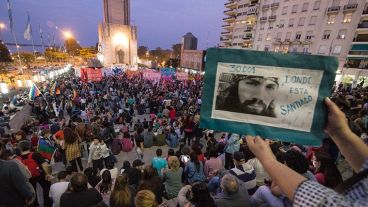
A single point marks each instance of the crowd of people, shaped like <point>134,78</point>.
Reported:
<point>192,167</point>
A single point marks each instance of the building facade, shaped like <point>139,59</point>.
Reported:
<point>189,42</point>
<point>320,27</point>
<point>117,38</point>
<point>193,59</point>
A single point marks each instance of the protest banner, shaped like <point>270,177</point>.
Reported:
<point>182,76</point>
<point>91,74</point>
<point>273,95</point>
<point>151,75</point>
<point>167,73</point>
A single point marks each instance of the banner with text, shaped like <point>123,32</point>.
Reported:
<point>273,95</point>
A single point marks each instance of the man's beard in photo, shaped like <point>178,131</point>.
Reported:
<point>253,106</point>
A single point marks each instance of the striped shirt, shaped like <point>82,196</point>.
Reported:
<point>247,174</point>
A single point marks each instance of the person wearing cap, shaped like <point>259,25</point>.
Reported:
<point>250,95</point>
<point>244,172</point>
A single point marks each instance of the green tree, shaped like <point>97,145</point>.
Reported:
<point>5,57</point>
<point>26,57</point>
<point>52,55</point>
<point>142,52</point>
<point>72,47</point>
<point>87,53</point>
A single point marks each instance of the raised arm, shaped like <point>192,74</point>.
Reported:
<point>350,145</point>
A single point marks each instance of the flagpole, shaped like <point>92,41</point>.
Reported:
<point>30,35</point>
<point>13,33</point>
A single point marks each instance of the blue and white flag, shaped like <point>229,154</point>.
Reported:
<point>28,31</point>
<point>10,16</point>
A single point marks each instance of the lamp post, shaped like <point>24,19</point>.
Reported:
<point>2,26</point>
<point>68,35</point>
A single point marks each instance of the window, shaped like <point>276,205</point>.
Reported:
<point>326,34</point>
<point>313,20</point>
<point>316,5</point>
<point>268,38</point>
<point>295,49</point>
<point>282,23</point>
<point>267,48</point>
<point>260,37</point>
<point>347,18</point>
<point>291,22</point>
<point>309,35</point>
<point>305,7</point>
<point>301,21</point>
<point>288,35</point>
<point>270,25</point>
<point>336,50</point>
<point>278,36</point>
<point>262,26</point>
<point>305,50</point>
<point>294,9</point>
<point>298,35</point>
<point>331,19</point>
<point>322,49</point>
<point>342,34</point>
<point>284,10</point>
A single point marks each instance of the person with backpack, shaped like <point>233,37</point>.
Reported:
<point>39,168</point>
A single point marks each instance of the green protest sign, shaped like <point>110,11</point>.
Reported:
<point>273,95</point>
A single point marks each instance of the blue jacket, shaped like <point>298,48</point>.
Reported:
<point>233,144</point>
<point>172,140</point>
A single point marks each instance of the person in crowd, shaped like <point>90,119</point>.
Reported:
<point>57,189</point>
<point>234,193</point>
<point>123,194</point>
<point>139,142</point>
<point>170,152</point>
<point>244,172</point>
<point>194,171</point>
<point>15,190</point>
<point>188,129</point>
<point>127,143</point>
<point>72,149</point>
<point>232,146</point>
<point>172,139</point>
<point>213,164</point>
<point>126,166</point>
<point>135,172</point>
<point>145,198</point>
<point>79,194</point>
<point>261,175</point>
<point>39,168</point>
<point>110,166</point>
<point>326,171</point>
<point>196,194</point>
<point>105,186</point>
<point>172,177</point>
<point>303,192</point>
<point>151,181</point>
<point>149,138</point>
<point>158,162</point>
<point>92,176</point>
<point>95,154</point>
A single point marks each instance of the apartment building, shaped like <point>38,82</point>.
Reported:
<point>323,27</point>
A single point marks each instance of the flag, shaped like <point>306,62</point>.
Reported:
<point>45,148</point>
<point>28,31</point>
<point>34,92</point>
<point>10,16</point>
<point>53,89</point>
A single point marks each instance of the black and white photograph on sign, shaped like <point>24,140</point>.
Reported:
<point>266,95</point>
<point>247,94</point>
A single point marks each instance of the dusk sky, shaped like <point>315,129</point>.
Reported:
<point>160,22</point>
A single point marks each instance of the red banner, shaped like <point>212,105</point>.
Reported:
<point>91,75</point>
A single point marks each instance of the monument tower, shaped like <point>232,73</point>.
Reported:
<point>117,38</point>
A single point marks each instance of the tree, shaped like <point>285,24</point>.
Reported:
<point>26,58</point>
<point>88,53</point>
<point>52,55</point>
<point>72,47</point>
<point>142,52</point>
<point>5,57</point>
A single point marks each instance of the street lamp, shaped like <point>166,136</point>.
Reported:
<point>2,26</point>
<point>68,35</point>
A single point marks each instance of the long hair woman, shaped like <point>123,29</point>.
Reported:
<point>326,171</point>
<point>105,186</point>
<point>72,149</point>
<point>194,170</point>
<point>122,195</point>
<point>151,181</point>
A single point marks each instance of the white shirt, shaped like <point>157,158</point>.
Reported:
<point>56,190</point>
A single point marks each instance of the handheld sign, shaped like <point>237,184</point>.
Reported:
<point>276,96</point>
